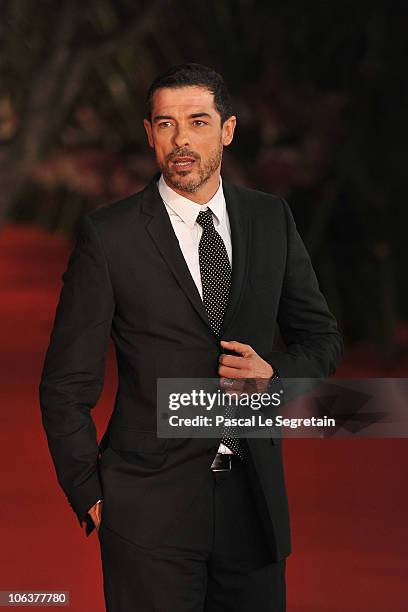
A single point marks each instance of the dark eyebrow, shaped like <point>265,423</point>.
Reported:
<point>161,117</point>
<point>192,116</point>
<point>195,115</point>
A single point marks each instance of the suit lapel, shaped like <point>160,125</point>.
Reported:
<point>161,231</point>
<point>162,234</point>
<point>241,240</point>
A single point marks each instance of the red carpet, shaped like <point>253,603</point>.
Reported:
<point>348,498</point>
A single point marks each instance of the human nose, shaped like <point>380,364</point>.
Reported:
<point>181,137</point>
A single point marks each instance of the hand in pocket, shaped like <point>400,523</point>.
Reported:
<point>96,513</point>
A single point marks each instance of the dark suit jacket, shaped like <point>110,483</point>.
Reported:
<point>127,278</point>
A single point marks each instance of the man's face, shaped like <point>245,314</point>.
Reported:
<point>186,133</point>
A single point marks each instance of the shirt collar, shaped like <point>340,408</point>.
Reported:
<point>188,210</point>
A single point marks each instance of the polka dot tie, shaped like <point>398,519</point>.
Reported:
<point>215,270</point>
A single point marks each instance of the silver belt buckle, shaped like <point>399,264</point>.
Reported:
<point>227,469</point>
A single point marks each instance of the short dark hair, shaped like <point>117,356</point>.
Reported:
<point>190,74</point>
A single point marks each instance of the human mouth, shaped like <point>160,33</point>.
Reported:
<point>183,162</point>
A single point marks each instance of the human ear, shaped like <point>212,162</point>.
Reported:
<point>149,132</point>
<point>228,130</point>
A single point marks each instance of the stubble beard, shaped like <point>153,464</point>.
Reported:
<point>202,172</point>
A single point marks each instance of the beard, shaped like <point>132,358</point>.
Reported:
<point>191,180</point>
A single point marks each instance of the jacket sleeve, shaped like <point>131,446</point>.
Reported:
<point>308,329</point>
<point>74,368</point>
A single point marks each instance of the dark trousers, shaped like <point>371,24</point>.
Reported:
<point>230,571</point>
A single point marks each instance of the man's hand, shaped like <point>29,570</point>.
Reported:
<point>247,364</point>
<point>95,513</point>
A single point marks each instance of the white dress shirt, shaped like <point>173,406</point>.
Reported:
<point>183,214</point>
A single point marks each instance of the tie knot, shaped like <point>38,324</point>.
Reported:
<point>205,219</point>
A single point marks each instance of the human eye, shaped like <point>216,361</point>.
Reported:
<point>164,124</point>
<point>199,122</point>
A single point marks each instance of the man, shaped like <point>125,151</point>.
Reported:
<point>189,277</point>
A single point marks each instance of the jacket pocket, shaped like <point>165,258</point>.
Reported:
<point>145,442</point>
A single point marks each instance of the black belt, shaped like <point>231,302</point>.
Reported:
<point>224,462</point>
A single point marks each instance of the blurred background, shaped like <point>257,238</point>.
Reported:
<point>320,93</point>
